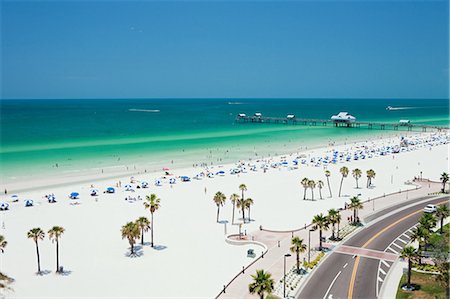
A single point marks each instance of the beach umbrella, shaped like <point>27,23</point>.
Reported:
<point>28,202</point>
<point>15,197</point>
<point>166,169</point>
<point>4,206</point>
<point>284,163</point>
<point>157,182</point>
<point>110,190</point>
<point>172,181</point>
<point>51,198</point>
<point>210,175</point>
<point>74,195</point>
<point>94,192</point>
<point>144,184</point>
<point>128,187</point>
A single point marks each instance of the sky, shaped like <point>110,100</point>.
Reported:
<point>224,49</point>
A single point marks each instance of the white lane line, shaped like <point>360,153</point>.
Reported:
<point>398,246</point>
<point>393,250</point>
<point>345,265</point>
<point>331,285</point>
<point>382,271</point>
<point>379,279</point>
<point>385,263</point>
<point>401,240</point>
<point>405,236</point>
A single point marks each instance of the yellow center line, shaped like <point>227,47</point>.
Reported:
<point>355,266</point>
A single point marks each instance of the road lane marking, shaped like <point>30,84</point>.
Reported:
<point>393,250</point>
<point>385,263</point>
<point>379,279</point>
<point>401,240</point>
<point>345,265</point>
<point>397,245</point>
<point>355,266</point>
<point>382,271</point>
<point>331,285</point>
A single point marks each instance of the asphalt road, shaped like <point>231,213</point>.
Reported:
<point>332,279</point>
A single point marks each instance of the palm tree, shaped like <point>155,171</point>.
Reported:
<point>442,212</point>
<point>153,204</point>
<point>144,226</point>
<point>409,253</point>
<point>355,205</point>
<point>337,219</point>
<point>312,185</point>
<point>219,198</point>
<point>320,186</point>
<point>320,222</point>
<point>297,248</point>
<point>262,283</point>
<point>420,234</point>
<point>370,175</point>
<point>131,232</point>
<point>428,221</point>
<point>344,172</point>
<point>305,185</point>
<point>444,180</point>
<point>36,234</point>
<point>3,243</point>
<point>54,234</point>
<point>328,174</point>
<point>356,174</point>
<point>240,204</point>
<point>248,203</point>
<point>243,188</point>
<point>333,217</point>
<point>234,198</point>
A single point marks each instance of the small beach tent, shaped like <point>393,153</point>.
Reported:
<point>185,178</point>
<point>74,195</point>
<point>94,192</point>
<point>110,190</point>
<point>221,173</point>
<point>51,198</point>
<point>199,176</point>
<point>128,187</point>
<point>158,183</point>
<point>4,206</point>
<point>284,163</point>
<point>172,181</point>
<point>166,169</point>
<point>15,198</point>
<point>210,175</point>
<point>28,202</point>
<point>144,184</point>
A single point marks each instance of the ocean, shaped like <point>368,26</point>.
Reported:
<point>62,136</point>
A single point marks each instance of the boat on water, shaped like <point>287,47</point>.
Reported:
<point>390,108</point>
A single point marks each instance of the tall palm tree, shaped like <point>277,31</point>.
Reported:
<point>305,185</point>
<point>248,203</point>
<point>334,218</point>
<point>297,248</point>
<point>356,174</point>
<point>344,173</point>
<point>370,175</point>
<point>36,234</point>
<point>312,185</point>
<point>320,222</point>
<point>262,284</point>
<point>3,243</point>
<point>442,212</point>
<point>320,186</point>
<point>153,204</point>
<point>409,253</point>
<point>444,180</point>
<point>328,174</point>
<point>355,205</point>
<point>428,221</point>
<point>219,199</point>
<point>337,219</point>
<point>240,204</point>
<point>420,234</point>
<point>144,225</point>
<point>243,188</point>
<point>54,234</point>
<point>234,198</point>
<point>131,232</point>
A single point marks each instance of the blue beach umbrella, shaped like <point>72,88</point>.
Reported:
<point>110,190</point>
<point>4,206</point>
<point>74,195</point>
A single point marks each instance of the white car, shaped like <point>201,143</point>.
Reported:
<point>430,209</point>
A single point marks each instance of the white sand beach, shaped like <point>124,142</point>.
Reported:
<point>191,258</point>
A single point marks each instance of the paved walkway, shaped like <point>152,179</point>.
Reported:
<point>278,244</point>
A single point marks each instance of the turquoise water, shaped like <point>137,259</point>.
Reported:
<point>79,134</point>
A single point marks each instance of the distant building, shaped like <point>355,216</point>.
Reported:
<point>404,122</point>
<point>343,117</point>
<point>241,115</point>
<point>257,114</point>
<point>290,116</point>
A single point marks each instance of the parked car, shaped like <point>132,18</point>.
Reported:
<point>430,209</point>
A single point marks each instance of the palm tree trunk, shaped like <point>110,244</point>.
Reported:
<point>320,239</point>
<point>153,227</point>
<point>218,208</point>
<point>132,248</point>
<point>338,230</point>
<point>367,185</point>
<point>142,236</point>
<point>312,194</point>
<point>243,213</point>
<point>332,232</point>
<point>232,219</point>
<point>298,261</point>
<point>38,258</point>
<point>57,255</point>
<point>442,224</point>
<point>329,188</point>
<point>304,194</point>
<point>340,187</point>
<point>409,272</point>
<point>354,215</point>
<point>249,218</point>
<point>320,193</point>
<point>357,184</point>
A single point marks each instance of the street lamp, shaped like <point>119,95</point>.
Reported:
<point>309,245</point>
<point>284,277</point>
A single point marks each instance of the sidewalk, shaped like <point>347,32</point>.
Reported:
<point>273,259</point>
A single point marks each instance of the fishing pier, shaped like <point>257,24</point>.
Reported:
<point>342,119</point>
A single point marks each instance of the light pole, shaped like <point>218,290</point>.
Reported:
<point>284,277</point>
<point>309,245</point>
